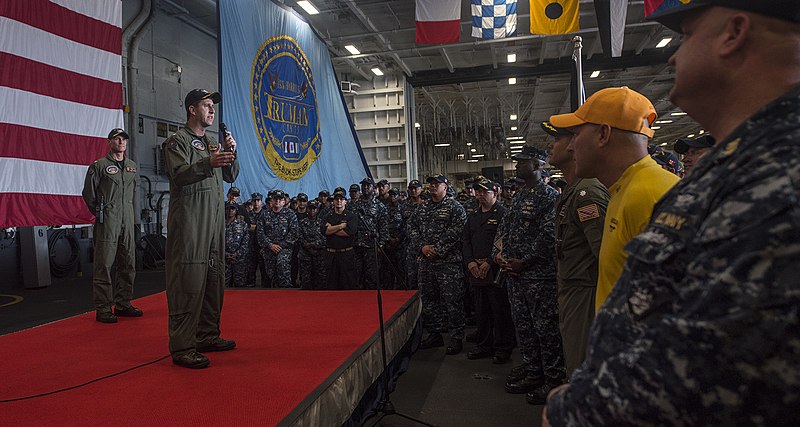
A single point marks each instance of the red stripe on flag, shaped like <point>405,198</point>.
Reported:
<point>31,76</point>
<point>23,210</point>
<point>438,32</point>
<point>24,142</point>
<point>63,22</point>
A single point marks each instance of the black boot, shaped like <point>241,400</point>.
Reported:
<point>432,341</point>
<point>525,385</point>
<point>455,346</point>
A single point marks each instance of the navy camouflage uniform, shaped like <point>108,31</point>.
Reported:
<point>311,256</point>
<point>254,256</point>
<point>280,229</point>
<point>528,234</point>
<point>376,219</point>
<point>237,242</point>
<point>409,213</point>
<point>702,326</point>
<point>391,272</point>
<point>441,278</point>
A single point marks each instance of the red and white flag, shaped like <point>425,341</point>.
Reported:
<point>438,21</point>
<point>60,95</point>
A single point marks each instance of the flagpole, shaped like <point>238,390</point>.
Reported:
<point>577,56</point>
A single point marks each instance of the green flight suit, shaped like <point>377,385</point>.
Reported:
<point>580,212</point>
<point>195,263</point>
<point>106,182</point>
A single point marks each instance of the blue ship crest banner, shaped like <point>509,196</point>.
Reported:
<point>281,100</point>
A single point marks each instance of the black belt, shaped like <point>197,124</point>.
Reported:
<point>339,250</point>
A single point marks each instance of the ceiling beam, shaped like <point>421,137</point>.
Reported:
<point>447,60</point>
<point>550,67</point>
<point>381,39</point>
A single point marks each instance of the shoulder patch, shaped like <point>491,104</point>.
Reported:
<point>198,145</point>
<point>588,212</point>
<point>112,170</point>
<point>171,142</point>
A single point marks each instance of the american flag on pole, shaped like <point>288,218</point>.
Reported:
<point>60,95</point>
<point>494,19</point>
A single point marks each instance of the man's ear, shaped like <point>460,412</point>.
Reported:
<point>734,34</point>
<point>604,135</point>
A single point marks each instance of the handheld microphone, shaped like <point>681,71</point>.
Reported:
<point>223,130</point>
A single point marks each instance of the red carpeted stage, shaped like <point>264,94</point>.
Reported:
<point>303,358</point>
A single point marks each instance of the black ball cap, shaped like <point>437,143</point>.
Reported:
<point>788,10</point>
<point>437,178</point>
<point>302,197</point>
<point>339,192</point>
<point>355,187</point>
<point>682,146</point>
<point>118,132</point>
<point>529,152</point>
<point>414,183</point>
<point>368,180</point>
<point>197,95</point>
<point>235,191</point>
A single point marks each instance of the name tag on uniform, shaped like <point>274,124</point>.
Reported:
<point>198,144</point>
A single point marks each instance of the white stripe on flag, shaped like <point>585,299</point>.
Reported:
<point>43,112</point>
<point>438,10</point>
<point>108,11</point>
<point>37,177</point>
<point>32,43</point>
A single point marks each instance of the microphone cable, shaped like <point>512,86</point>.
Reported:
<point>34,396</point>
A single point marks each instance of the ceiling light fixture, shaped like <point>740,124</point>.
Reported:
<point>678,113</point>
<point>517,142</point>
<point>513,128</point>
<point>655,127</point>
<point>472,161</point>
<point>663,121</point>
<point>512,57</point>
<point>417,125</point>
<point>308,7</point>
<point>664,42</point>
<point>469,144</point>
<point>512,80</point>
<point>594,74</point>
<point>377,71</point>
<point>472,150</point>
<point>515,151</point>
<point>702,132</point>
<point>352,49</point>
<point>442,145</point>
<point>478,155</point>
<point>513,117</point>
<point>510,138</point>
<point>663,144</point>
<point>691,135</point>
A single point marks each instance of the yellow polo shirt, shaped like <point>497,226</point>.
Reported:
<point>629,210</point>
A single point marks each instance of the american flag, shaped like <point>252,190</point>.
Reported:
<point>60,95</point>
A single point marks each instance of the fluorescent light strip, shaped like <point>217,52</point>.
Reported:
<point>511,57</point>
<point>513,117</point>
<point>441,145</point>
<point>664,42</point>
<point>478,155</point>
<point>511,138</point>
<point>472,161</point>
<point>377,71</point>
<point>594,74</point>
<point>513,128</point>
<point>678,113</point>
<point>352,49</point>
<point>517,142</point>
<point>308,7</point>
<point>512,80</point>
